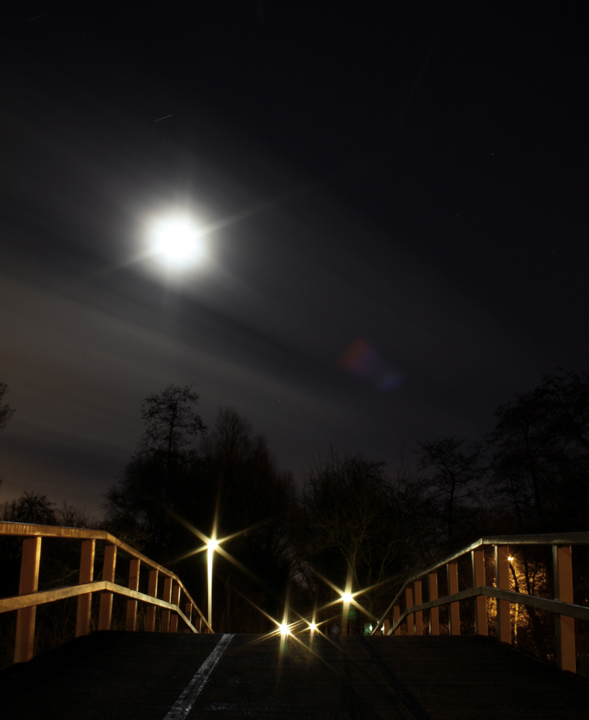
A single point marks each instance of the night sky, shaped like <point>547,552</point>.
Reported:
<point>394,205</point>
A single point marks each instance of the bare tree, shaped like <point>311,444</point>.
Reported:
<point>540,454</point>
<point>6,412</point>
<point>163,474</point>
<point>452,468</point>
<point>356,522</point>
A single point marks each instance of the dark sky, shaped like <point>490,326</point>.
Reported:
<point>395,204</point>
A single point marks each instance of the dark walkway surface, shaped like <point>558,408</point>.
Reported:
<point>127,676</point>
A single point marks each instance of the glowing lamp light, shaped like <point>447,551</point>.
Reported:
<point>511,558</point>
<point>178,241</point>
<point>284,629</point>
<point>212,544</point>
<point>347,597</point>
<point>313,626</point>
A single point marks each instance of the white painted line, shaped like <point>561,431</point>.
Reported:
<point>184,703</point>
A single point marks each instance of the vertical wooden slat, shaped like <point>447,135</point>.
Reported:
<point>108,574</point>
<point>566,654</point>
<point>396,616</point>
<point>419,613</point>
<point>410,617</point>
<point>152,590</point>
<point>478,579</point>
<point>434,613</point>
<point>188,613</point>
<point>134,570</point>
<point>454,616</point>
<point>387,626</point>
<point>167,597</point>
<point>176,600</point>
<point>502,581</point>
<point>29,582</point>
<point>86,576</point>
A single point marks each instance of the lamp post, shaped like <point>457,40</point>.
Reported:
<point>211,545</point>
<point>347,598</point>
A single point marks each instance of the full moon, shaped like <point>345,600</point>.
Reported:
<point>178,241</point>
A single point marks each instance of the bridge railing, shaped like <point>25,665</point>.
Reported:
<point>174,593</point>
<point>408,606</point>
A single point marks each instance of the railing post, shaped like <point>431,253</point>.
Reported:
<point>502,581</point>
<point>86,576</point>
<point>387,626</point>
<point>563,590</point>
<point>454,614</point>
<point>29,582</point>
<point>396,616</point>
<point>434,613</point>
<point>419,613</point>
<point>176,600</point>
<point>134,569</point>
<point>188,613</point>
<point>152,590</point>
<point>108,574</point>
<point>167,597</point>
<point>410,616</point>
<point>478,579</point>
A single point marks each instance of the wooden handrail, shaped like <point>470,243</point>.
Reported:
<point>554,606</point>
<point>561,606</point>
<point>26,602</point>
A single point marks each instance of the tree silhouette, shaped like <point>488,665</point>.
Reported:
<point>540,454</point>
<point>6,412</point>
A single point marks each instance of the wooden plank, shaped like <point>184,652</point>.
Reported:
<point>566,654</point>
<point>454,614</point>
<point>152,591</point>
<point>86,576</point>
<point>434,612</point>
<point>396,617</point>
<point>134,569</point>
<point>167,597</point>
<point>108,575</point>
<point>502,581</point>
<point>188,613</point>
<point>555,606</point>
<point>29,581</point>
<point>410,615</point>
<point>175,601</point>
<point>47,596</point>
<point>419,613</point>
<point>479,579</point>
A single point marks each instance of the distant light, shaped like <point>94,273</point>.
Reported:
<point>313,626</point>
<point>212,544</point>
<point>177,240</point>
<point>347,597</point>
<point>284,629</point>
<point>511,558</point>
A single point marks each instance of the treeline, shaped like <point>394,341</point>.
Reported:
<point>354,523</point>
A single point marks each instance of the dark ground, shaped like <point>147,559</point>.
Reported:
<point>118,675</point>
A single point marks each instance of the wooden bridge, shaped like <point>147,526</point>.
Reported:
<point>412,672</point>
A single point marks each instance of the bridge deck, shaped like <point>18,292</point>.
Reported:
<point>111,675</point>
